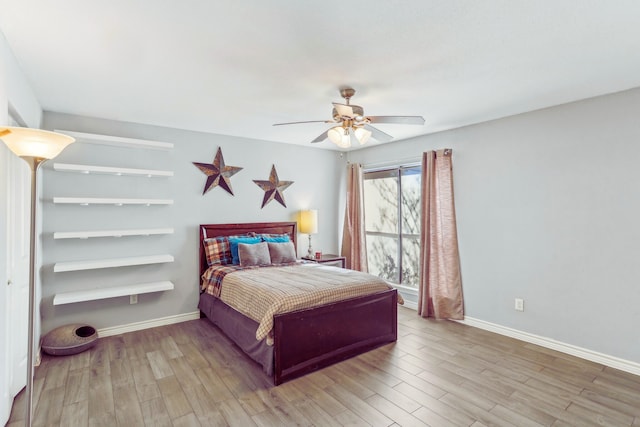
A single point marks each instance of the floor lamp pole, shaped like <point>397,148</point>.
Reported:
<point>34,164</point>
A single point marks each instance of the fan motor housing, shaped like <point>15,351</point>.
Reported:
<point>347,92</point>
<point>357,111</point>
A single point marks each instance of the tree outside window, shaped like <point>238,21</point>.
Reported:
<point>392,223</point>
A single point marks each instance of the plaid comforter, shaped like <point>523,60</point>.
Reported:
<point>212,278</point>
<point>260,293</point>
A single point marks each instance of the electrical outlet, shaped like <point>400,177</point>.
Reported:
<point>519,304</point>
<point>133,299</point>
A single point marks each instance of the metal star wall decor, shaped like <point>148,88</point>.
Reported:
<point>273,188</point>
<point>218,173</point>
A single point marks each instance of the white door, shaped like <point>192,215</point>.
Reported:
<point>5,398</point>
<point>18,220</point>
<point>18,181</point>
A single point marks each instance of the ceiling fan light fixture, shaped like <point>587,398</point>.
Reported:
<point>344,137</point>
<point>340,136</point>
<point>362,135</point>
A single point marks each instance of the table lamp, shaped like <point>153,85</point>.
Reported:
<point>309,225</point>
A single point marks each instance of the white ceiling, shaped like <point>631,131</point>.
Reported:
<point>237,67</point>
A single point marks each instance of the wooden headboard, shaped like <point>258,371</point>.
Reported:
<point>213,230</point>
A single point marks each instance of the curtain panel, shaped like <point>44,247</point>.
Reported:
<point>354,246</point>
<point>440,287</point>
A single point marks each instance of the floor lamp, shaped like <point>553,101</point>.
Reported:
<point>34,146</point>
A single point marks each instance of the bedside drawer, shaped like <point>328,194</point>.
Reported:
<point>334,260</point>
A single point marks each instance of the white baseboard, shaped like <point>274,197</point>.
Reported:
<point>410,304</point>
<point>593,356</point>
<point>138,326</point>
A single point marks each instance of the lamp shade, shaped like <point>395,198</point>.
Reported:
<point>339,136</point>
<point>309,221</point>
<point>362,135</point>
<point>343,137</point>
<point>37,143</point>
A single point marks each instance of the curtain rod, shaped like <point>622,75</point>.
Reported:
<point>408,161</point>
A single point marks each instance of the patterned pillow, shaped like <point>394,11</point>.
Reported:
<point>274,237</point>
<point>218,251</point>
<point>253,254</point>
<point>282,252</point>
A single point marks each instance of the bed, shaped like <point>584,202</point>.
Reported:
<point>302,340</point>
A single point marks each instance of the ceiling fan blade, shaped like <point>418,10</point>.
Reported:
<point>401,120</point>
<point>321,137</point>
<point>378,134</point>
<point>308,121</point>
<point>344,110</point>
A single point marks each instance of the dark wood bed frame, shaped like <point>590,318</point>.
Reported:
<point>307,340</point>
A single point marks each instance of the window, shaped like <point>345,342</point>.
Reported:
<point>392,223</point>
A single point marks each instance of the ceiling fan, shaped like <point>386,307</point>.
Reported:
<point>353,126</point>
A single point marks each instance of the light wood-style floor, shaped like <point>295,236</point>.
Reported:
<point>439,373</point>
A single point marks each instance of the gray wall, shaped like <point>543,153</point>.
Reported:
<point>547,207</point>
<point>316,174</point>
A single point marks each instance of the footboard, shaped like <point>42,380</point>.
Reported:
<point>307,340</point>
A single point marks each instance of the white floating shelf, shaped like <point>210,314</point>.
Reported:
<point>85,201</point>
<point>118,141</point>
<point>108,170</point>
<point>110,233</point>
<point>117,291</point>
<point>60,267</point>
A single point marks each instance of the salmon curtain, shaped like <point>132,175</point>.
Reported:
<point>354,246</point>
<point>440,292</point>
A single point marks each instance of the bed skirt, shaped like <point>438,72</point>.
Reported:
<point>240,329</point>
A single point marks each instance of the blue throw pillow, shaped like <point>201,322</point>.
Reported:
<point>275,238</point>
<point>234,240</point>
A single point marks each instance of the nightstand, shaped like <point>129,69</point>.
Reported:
<point>329,259</point>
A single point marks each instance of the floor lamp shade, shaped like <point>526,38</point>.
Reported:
<point>25,142</point>
<point>34,146</point>
<point>309,221</point>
